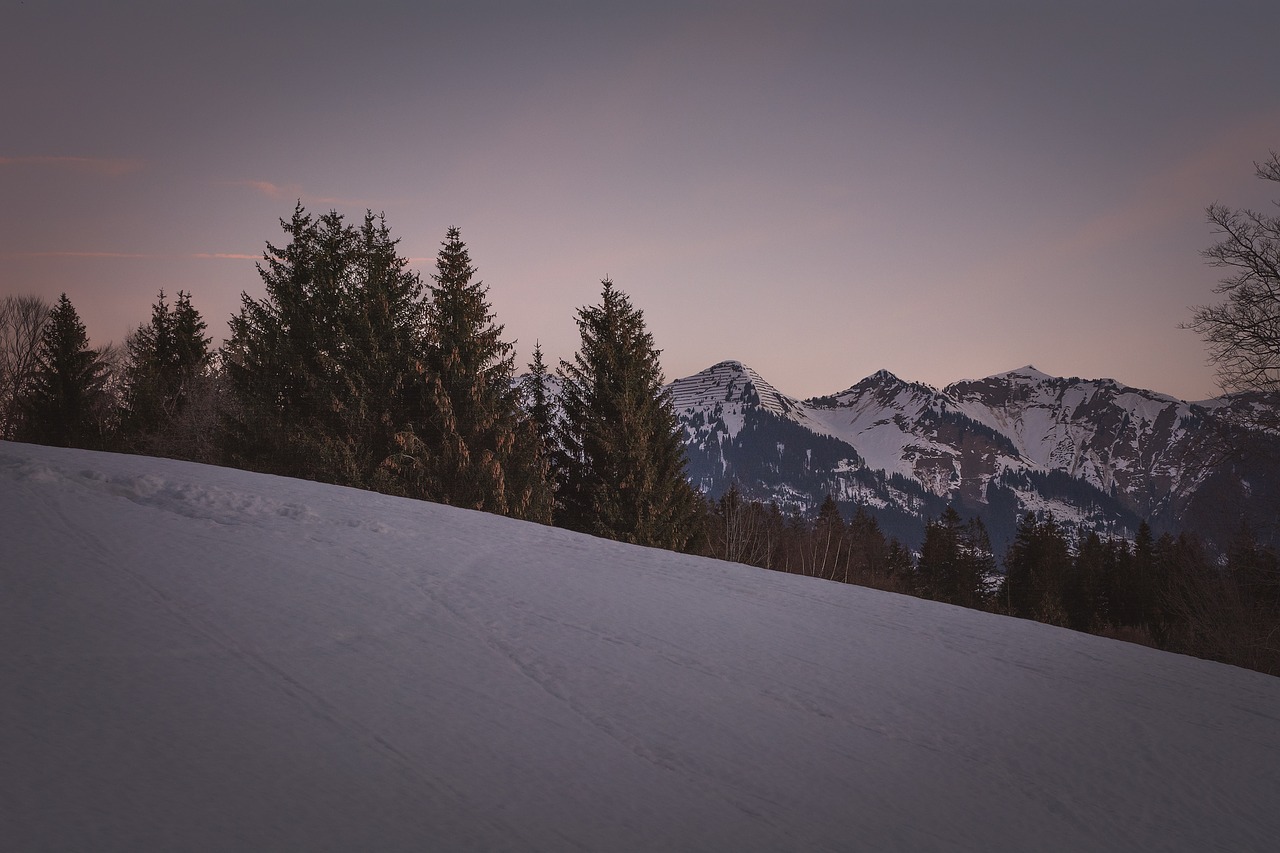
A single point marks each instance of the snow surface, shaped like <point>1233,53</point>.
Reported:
<point>196,658</point>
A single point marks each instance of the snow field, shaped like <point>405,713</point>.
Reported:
<point>199,658</point>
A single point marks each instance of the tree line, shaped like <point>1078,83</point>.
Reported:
<point>352,370</point>
<point>1165,592</point>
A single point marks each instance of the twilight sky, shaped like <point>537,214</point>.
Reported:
<point>820,190</point>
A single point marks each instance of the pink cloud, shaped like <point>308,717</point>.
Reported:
<point>272,190</point>
<point>235,256</point>
<point>267,188</point>
<point>78,255</point>
<point>106,166</point>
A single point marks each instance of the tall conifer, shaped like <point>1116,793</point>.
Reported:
<point>475,448</point>
<point>166,359</point>
<point>621,446</point>
<point>63,403</point>
<point>318,368</point>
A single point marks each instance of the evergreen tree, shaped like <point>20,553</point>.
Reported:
<point>1255,568</point>
<point>622,447</point>
<point>166,360</point>
<point>955,560</point>
<point>1084,597</point>
<point>1037,570</point>
<point>868,549</point>
<point>318,370</point>
<point>541,414</point>
<point>380,395</point>
<point>62,404</point>
<point>537,398</point>
<point>897,561</point>
<point>475,449</point>
<point>1131,587</point>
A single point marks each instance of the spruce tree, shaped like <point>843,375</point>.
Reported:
<point>537,398</point>
<point>1038,570</point>
<point>955,560</point>
<point>621,446</point>
<point>63,403</point>
<point>380,396</point>
<point>868,549</point>
<point>166,360</point>
<point>540,413</point>
<point>318,369</point>
<point>475,448</point>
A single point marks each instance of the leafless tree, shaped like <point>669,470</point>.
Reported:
<point>1243,333</point>
<point>22,320</point>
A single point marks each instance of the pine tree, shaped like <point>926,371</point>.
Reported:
<point>621,447</point>
<point>868,549</point>
<point>897,561</point>
<point>63,403</point>
<point>166,360</point>
<point>540,413</point>
<point>1084,598</point>
<point>475,449</point>
<point>955,560</point>
<point>1038,568</point>
<point>537,398</point>
<point>384,356</point>
<point>1131,584</point>
<point>318,369</point>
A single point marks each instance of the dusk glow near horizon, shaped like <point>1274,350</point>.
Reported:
<point>945,190</point>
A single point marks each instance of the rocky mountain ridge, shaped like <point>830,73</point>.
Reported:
<point>1097,453</point>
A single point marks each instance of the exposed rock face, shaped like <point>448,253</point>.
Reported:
<point>1096,453</point>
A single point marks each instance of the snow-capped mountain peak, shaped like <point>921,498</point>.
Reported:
<point>726,389</point>
<point>1027,371</point>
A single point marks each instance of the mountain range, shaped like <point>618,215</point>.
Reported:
<point>1096,453</point>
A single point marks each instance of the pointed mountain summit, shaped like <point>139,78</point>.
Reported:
<point>728,387</point>
<point>728,382</point>
<point>1027,371</point>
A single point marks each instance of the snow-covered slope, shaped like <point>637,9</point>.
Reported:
<point>194,658</point>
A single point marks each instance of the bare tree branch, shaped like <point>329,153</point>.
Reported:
<point>22,320</point>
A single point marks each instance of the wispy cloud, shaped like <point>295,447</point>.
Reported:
<point>272,190</point>
<point>268,189</point>
<point>106,166</point>
<point>79,255</point>
<point>235,256</point>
